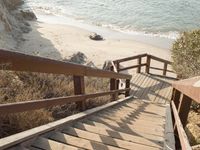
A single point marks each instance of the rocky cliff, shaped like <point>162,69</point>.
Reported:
<point>13,23</point>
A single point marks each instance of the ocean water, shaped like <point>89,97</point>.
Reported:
<point>164,18</point>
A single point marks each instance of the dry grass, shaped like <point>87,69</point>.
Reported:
<point>15,87</point>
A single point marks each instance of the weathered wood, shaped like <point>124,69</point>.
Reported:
<point>21,62</point>
<point>139,63</point>
<point>107,140</point>
<point>176,97</point>
<point>182,135</point>
<point>189,87</point>
<point>132,67</point>
<point>79,89</point>
<point>184,108</point>
<point>127,93</point>
<point>142,139</point>
<point>165,69</point>
<point>80,142</point>
<point>130,58</point>
<point>161,69</point>
<point>23,136</point>
<point>113,86</point>
<point>169,131</point>
<point>48,144</point>
<point>160,59</point>
<point>37,104</point>
<point>148,63</point>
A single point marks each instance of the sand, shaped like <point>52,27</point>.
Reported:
<point>61,41</point>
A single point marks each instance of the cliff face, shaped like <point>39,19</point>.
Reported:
<point>13,23</point>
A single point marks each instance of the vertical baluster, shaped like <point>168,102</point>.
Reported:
<point>165,69</point>
<point>139,63</point>
<point>79,89</point>
<point>148,63</point>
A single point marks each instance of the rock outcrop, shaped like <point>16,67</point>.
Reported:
<point>96,37</point>
<point>13,23</point>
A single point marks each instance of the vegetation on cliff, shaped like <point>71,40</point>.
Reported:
<point>186,63</point>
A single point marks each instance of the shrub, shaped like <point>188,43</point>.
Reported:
<point>21,86</point>
<point>186,54</point>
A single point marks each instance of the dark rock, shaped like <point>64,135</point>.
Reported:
<point>28,15</point>
<point>96,37</point>
<point>79,58</point>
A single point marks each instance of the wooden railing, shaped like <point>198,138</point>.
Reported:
<point>184,92</point>
<point>20,62</point>
<point>144,60</point>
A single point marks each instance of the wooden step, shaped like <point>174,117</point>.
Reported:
<point>80,142</point>
<point>138,127</point>
<point>125,130</point>
<point>106,139</point>
<point>124,120</point>
<point>47,144</point>
<point>139,138</point>
<point>132,119</point>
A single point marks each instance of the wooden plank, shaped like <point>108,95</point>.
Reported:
<point>130,119</point>
<point>139,63</point>
<point>148,63</point>
<point>38,104</point>
<point>130,58</point>
<point>182,135</point>
<point>26,135</point>
<point>21,62</point>
<point>135,126</point>
<point>139,138</point>
<point>107,140</point>
<point>165,69</point>
<point>48,144</point>
<point>160,59</point>
<point>113,86</point>
<point>79,89</point>
<point>155,68</point>
<point>120,129</point>
<point>127,93</point>
<point>135,84</point>
<point>184,108</point>
<point>132,67</point>
<point>189,87</point>
<point>122,124</point>
<point>169,131</point>
<point>143,85</point>
<point>80,142</point>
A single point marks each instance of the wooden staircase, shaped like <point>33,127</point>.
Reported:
<point>145,119</point>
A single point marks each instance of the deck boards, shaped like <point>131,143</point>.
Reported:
<point>138,123</point>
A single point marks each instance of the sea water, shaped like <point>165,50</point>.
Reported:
<point>162,18</point>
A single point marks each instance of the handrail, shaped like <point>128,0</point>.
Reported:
<point>147,63</point>
<point>185,145</point>
<point>189,87</point>
<point>15,61</point>
<point>21,62</point>
<point>44,103</point>
<point>184,92</point>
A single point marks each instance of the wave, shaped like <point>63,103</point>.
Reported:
<point>127,29</point>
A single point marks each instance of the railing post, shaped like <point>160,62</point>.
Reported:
<point>127,93</point>
<point>139,63</point>
<point>165,69</point>
<point>176,97</point>
<point>79,89</point>
<point>113,86</point>
<point>148,63</point>
<point>184,108</point>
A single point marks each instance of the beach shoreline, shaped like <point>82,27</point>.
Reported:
<point>60,41</point>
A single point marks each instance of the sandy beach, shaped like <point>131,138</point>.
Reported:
<point>61,41</point>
